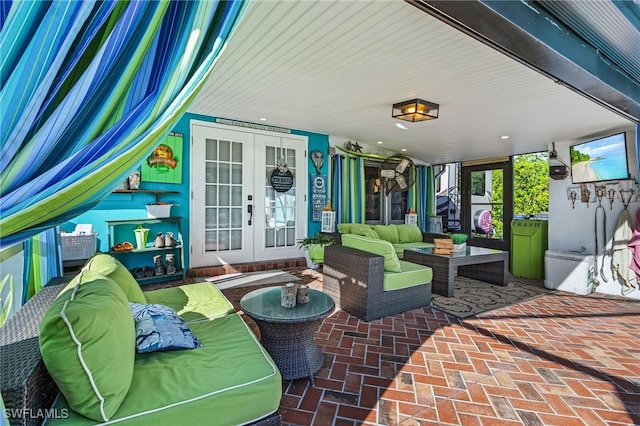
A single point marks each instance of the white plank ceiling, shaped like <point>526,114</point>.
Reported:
<point>336,67</point>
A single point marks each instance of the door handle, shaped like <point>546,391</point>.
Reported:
<point>250,211</point>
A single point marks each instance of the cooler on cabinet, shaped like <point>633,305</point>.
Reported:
<point>569,271</point>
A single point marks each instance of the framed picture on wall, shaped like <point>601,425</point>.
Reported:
<point>165,162</point>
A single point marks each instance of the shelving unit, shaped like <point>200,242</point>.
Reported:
<point>157,193</point>
<point>121,230</point>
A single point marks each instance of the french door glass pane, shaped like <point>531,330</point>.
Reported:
<point>486,204</point>
<point>280,207</point>
<point>223,195</point>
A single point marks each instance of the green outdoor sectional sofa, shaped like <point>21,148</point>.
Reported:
<point>90,349</point>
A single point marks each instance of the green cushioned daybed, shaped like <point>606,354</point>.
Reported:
<point>179,355</point>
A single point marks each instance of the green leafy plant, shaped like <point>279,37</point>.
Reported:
<point>459,238</point>
<point>318,239</point>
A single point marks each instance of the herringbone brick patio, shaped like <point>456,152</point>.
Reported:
<point>559,359</point>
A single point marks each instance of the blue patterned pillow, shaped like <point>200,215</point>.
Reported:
<point>159,328</point>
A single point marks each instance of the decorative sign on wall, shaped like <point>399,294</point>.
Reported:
<point>318,196</point>
<point>165,162</point>
<point>281,179</point>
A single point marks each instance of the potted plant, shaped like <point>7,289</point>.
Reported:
<point>314,248</point>
<point>459,241</point>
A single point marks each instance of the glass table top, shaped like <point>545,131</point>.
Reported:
<point>264,304</point>
<point>468,251</point>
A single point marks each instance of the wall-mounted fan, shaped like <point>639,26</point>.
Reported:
<point>397,173</point>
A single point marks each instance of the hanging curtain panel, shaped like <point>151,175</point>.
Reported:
<point>421,197</point>
<point>87,91</point>
<point>348,192</point>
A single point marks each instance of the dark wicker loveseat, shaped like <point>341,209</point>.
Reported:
<point>354,279</point>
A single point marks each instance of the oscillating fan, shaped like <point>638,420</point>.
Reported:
<point>397,173</point>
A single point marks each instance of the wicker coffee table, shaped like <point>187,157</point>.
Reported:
<point>288,333</point>
<point>483,264</point>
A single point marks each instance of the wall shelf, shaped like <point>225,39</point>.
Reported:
<point>123,229</point>
<point>157,193</point>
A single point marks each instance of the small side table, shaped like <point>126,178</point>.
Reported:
<point>288,333</point>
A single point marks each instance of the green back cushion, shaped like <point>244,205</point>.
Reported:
<point>409,233</point>
<point>363,230</point>
<point>379,247</point>
<point>344,228</point>
<point>87,340</point>
<point>110,267</point>
<point>387,233</point>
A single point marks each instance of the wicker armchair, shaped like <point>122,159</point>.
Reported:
<point>353,278</point>
<point>26,386</point>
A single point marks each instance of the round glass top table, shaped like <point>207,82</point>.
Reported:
<point>288,333</point>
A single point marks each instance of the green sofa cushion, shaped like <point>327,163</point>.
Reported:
<point>387,233</point>
<point>231,380</point>
<point>412,275</point>
<point>87,340</point>
<point>409,233</point>
<point>194,302</point>
<point>110,267</point>
<point>363,230</point>
<point>379,247</point>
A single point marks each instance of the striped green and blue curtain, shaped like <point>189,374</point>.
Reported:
<point>87,89</point>
<point>421,196</point>
<point>348,188</point>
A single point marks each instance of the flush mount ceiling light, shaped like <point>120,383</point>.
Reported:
<point>415,110</point>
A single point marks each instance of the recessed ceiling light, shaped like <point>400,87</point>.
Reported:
<point>380,142</point>
<point>401,126</point>
<point>504,137</point>
<point>263,119</point>
<point>404,150</point>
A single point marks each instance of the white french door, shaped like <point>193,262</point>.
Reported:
<point>236,215</point>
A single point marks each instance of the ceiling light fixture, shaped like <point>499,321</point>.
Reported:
<point>504,137</point>
<point>401,126</point>
<point>415,110</point>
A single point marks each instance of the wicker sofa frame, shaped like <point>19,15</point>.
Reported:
<point>354,279</point>
<point>28,390</point>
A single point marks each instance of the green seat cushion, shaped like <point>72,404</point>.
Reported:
<point>363,230</point>
<point>387,233</point>
<point>87,340</point>
<point>412,275</point>
<point>409,233</point>
<point>231,380</point>
<point>193,302</point>
<point>110,266</point>
<point>375,246</point>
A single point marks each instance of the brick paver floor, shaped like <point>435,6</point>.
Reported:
<point>559,359</point>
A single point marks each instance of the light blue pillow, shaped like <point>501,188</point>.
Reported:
<point>159,328</point>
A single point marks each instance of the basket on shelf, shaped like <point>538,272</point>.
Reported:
<point>76,247</point>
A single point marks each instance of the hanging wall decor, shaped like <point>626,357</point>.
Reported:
<point>165,162</point>
<point>281,178</point>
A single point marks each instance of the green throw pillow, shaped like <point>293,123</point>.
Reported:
<point>110,267</point>
<point>387,233</point>
<point>88,344</point>
<point>363,230</point>
<point>409,233</point>
<point>344,228</point>
<point>379,247</point>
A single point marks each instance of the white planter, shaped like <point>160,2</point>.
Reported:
<point>459,247</point>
